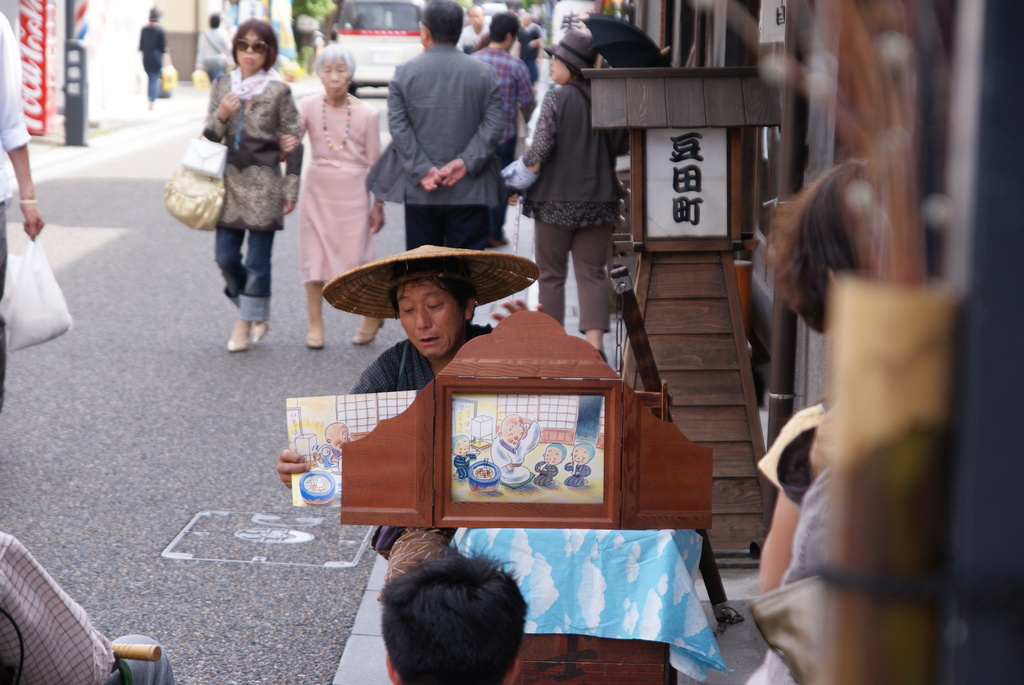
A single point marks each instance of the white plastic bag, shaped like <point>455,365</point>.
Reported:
<point>35,310</point>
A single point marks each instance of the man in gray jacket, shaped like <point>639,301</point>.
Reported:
<point>445,116</point>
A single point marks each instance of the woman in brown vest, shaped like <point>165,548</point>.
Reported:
<point>576,195</point>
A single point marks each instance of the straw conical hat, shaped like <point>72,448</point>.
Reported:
<point>364,290</point>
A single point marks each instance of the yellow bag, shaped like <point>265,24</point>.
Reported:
<point>200,79</point>
<point>168,78</point>
<point>194,199</point>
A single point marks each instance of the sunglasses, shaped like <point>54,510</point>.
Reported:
<point>259,47</point>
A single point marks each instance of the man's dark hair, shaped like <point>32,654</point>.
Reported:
<point>443,18</point>
<point>433,270</point>
<point>215,20</point>
<point>453,620</point>
<point>503,24</point>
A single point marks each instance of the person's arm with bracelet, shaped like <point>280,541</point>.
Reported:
<point>26,191</point>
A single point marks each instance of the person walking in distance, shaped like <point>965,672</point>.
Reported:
<point>516,93</point>
<point>446,118</point>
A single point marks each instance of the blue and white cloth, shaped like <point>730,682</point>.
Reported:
<point>623,584</point>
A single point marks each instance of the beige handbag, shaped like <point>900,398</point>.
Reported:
<point>790,619</point>
<point>194,199</point>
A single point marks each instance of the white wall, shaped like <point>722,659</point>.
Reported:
<point>116,79</point>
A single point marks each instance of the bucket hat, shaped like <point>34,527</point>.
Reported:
<point>575,49</point>
<point>366,289</point>
<point>804,420</point>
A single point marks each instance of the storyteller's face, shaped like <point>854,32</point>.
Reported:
<point>433,320</point>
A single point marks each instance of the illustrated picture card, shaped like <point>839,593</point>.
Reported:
<point>528,448</point>
<point>319,427</point>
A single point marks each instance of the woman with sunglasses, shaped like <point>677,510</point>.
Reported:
<point>250,110</point>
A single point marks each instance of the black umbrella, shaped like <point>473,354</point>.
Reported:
<point>622,44</point>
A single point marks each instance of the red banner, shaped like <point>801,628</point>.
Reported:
<point>38,37</point>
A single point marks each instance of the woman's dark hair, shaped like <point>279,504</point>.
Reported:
<point>443,18</point>
<point>814,237</point>
<point>574,71</point>
<point>264,32</point>
<point>215,21</point>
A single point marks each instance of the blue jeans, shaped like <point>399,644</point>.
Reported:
<point>154,85</point>
<point>505,153</point>
<point>532,68</point>
<point>246,283</point>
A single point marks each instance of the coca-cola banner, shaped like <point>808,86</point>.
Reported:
<point>37,32</point>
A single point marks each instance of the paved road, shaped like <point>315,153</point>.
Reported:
<point>115,435</point>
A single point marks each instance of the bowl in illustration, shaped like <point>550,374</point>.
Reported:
<point>316,487</point>
<point>483,476</point>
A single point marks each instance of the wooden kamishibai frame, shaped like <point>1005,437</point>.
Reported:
<point>652,475</point>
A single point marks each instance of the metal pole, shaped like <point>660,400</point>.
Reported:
<point>76,82</point>
<point>784,320</point>
<point>984,629</point>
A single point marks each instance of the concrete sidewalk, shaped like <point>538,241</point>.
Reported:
<point>742,647</point>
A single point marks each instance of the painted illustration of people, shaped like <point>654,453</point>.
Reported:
<point>582,454</point>
<point>516,437</point>
<point>547,468</point>
<point>335,435</point>
<point>460,450</point>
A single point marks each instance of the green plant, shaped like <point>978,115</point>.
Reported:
<point>317,9</point>
<point>306,58</point>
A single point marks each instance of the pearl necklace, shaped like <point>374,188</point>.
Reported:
<point>348,122</point>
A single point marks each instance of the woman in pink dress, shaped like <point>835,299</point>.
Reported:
<point>337,217</point>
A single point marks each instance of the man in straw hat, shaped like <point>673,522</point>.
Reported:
<point>433,292</point>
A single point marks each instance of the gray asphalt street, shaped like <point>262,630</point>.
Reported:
<point>114,436</point>
<point>137,435</point>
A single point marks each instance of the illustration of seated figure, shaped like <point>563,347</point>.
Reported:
<point>516,437</point>
<point>460,450</point>
<point>582,453</point>
<point>335,435</point>
<point>547,468</point>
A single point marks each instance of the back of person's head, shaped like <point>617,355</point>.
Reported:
<point>504,24</point>
<point>443,18</point>
<point>453,620</point>
<point>154,15</point>
<point>818,235</point>
<point>215,20</point>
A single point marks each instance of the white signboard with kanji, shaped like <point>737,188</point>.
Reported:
<point>773,21</point>
<point>687,183</point>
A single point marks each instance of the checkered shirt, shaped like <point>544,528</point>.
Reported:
<point>514,80</point>
<point>61,645</point>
